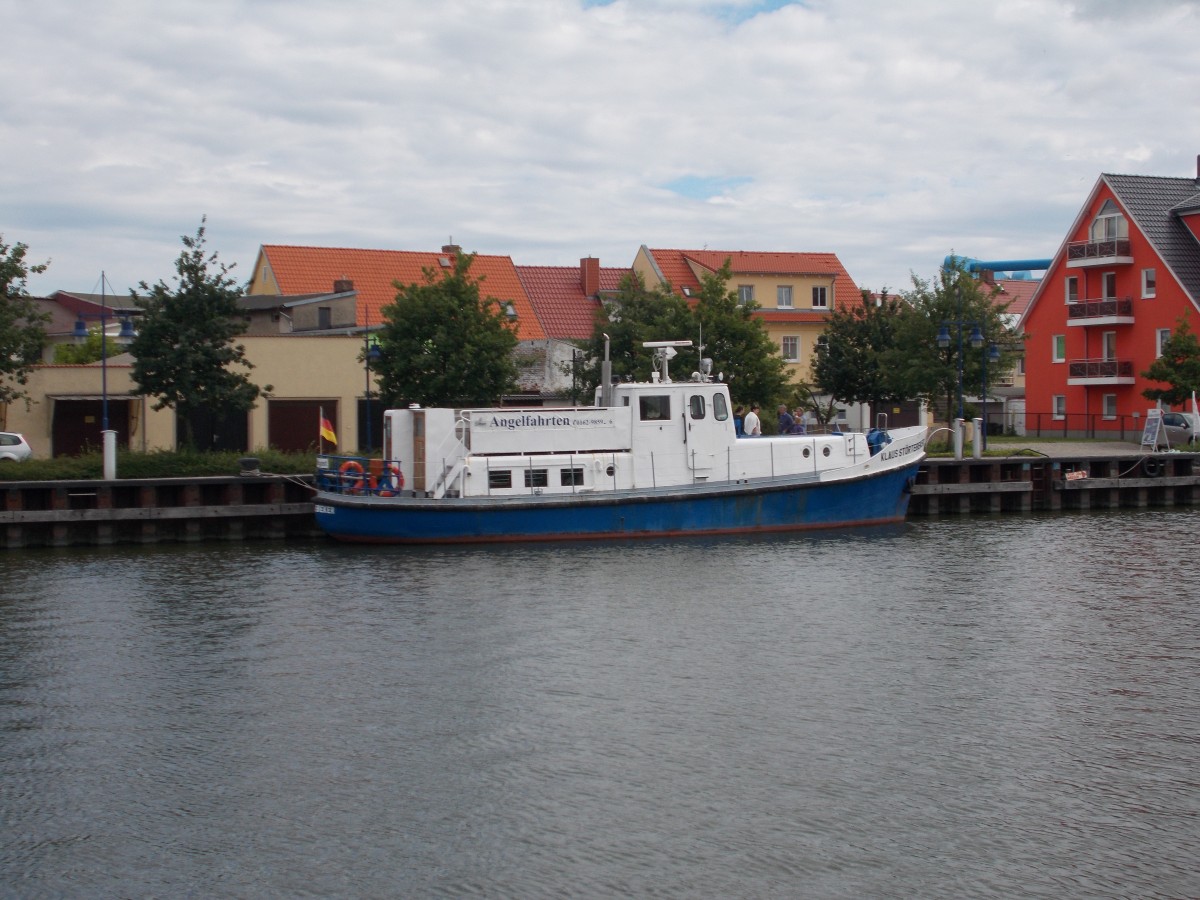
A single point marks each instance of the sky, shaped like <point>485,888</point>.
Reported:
<point>891,134</point>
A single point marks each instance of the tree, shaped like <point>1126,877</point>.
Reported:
<point>733,338</point>
<point>92,349</point>
<point>860,360</point>
<point>184,349</point>
<point>738,343</point>
<point>634,315</point>
<point>443,344</point>
<point>1178,367</point>
<point>22,324</point>
<point>959,303</point>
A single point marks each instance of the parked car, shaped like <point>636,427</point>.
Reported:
<point>14,447</point>
<point>1179,430</point>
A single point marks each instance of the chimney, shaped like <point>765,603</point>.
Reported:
<point>451,249</point>
<point>589,275</point>
<point>343,285</point>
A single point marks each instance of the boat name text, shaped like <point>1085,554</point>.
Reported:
<point>902,451</point>
<point>541,420</point>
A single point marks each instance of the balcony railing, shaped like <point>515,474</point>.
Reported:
<point>1100,368</point>
<point>1108,308</point>
<point>1083,250</point>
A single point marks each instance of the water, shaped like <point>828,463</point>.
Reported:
<point>985,707</point>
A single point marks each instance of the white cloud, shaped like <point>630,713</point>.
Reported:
<point>890,134</point>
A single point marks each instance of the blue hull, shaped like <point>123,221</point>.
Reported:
<point>720,509</point>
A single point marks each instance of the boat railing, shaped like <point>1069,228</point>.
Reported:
<point>360,475</point>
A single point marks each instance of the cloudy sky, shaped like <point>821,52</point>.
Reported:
<point>890,133</point>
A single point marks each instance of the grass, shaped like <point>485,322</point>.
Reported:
<point>163,464</point>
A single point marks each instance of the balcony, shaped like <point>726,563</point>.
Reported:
<point>1100,371</point>
<point>1115,251</point>
<point>1109,311</point>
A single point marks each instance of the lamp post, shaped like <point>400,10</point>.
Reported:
<point>992,354</point>
<point>370,353</point>
<point>80,334</point>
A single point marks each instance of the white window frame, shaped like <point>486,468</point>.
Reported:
<point>1161,336</point>
<point>1058,348</point>
<point>745,294</point>
<point>820,297</point>
<point>1108,285</point>
<point>1059,404</point>
<point>794,339</point>
<point>783,296</point>
<point>1110,406</point>
<point>1149,284</point>
<point>1108,343</point>
<point>1071,289</point>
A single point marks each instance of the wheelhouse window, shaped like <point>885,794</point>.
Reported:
<point>820,297</point>
<point>1149,284</point>
<point>745,294</point>
<point>790,348</point>
<point>697,406</point>
<point>783,296</point>
<point>498,479</point>
<point>720,408</point>
<point>571,477</point>
<point>1059,348</point>
<point>654,408</point>
<point>536,478</point>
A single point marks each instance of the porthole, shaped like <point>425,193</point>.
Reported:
<point>610,471</point>
<point>825,450</point>
<point>807,453</point>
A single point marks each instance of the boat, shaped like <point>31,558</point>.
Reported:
<point>649,459</point>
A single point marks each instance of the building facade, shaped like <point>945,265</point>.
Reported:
<point>1126,273</point>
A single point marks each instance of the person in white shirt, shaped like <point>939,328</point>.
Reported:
<point>752,426</point>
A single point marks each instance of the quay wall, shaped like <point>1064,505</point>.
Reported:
<point>276,507</point>
<point>153,510</point>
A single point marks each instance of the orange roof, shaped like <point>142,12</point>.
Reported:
<point>1016,292</point>
<point>558,298</point>
<point>309,270</point>
<point>674,264</point>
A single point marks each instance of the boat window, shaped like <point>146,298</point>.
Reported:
<point>571,477</point>
<point>653,408</point>
<point>536,478</point>
<point>696,403</point>
<point>499,478</point>
<point>720,407</point>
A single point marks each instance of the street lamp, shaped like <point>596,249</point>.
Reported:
<point>126,334</point>
<point>992,355</point>
<point>943,341</point>
<point>370,354</point>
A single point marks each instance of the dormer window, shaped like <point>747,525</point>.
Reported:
<point>1109,224</point>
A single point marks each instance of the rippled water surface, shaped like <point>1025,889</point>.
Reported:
<point>984,707</point>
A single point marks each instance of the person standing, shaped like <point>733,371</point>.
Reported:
<point>752,425</point>
<point>786,422</point>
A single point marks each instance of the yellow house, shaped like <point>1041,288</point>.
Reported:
<point>796,292</point>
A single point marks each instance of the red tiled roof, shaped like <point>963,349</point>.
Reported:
<point>1016,292</point>
<point>674,266</point>
<point>559,301</point>
<point>309,270</point>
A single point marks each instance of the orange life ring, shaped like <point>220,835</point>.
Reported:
<point>392,481</point>
<point>350,474</point>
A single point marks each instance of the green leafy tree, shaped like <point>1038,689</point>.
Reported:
<point>861,360</point>
<point>185,354</point>
<point>443,343</point>
<point>22,324</point>
<point>635,314</point>
<point>738,343</point>
<point>959,303</point>
<point>92,349</point>
<point>1178,367</point>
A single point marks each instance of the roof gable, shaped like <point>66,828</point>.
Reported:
<point>1151,203</point>
<point>679,267</point>
<point>313,270</point>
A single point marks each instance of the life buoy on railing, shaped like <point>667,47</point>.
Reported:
<point>392,480</point>
<point>1151,467</point>
<point>351,476</point>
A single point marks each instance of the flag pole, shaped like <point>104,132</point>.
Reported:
<point>321,430</point>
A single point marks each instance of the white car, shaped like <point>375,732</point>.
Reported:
<point>14,447</point>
